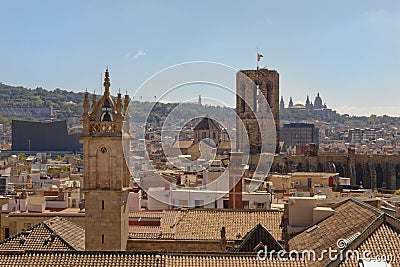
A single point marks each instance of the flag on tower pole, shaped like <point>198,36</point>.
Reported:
<point>259,56</point>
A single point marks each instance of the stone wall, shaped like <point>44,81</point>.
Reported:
<point>372,171</point>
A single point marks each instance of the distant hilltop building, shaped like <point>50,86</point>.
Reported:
<point>318,108</point>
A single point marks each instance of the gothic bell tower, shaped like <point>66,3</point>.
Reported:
<point>106,176</point>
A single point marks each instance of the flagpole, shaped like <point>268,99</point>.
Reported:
<point>257,57</point>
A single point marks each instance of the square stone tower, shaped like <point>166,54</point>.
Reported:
<point>106,177</point>
<point>267,83</point>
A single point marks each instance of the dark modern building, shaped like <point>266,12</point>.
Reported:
<point>43,136</point>
<point>299,134</point>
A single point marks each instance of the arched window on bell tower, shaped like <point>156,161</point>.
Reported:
<point>106,114</point>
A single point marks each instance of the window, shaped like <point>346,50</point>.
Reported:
<point>102,204</point>
<point>242,97</point>
<point>226,204</point>
<point>102,239</point>
<point>260,205</point>
<point>255,98</point>
<point>106,116</point>
<point>6,232</point>
<point>199,203</point>
<point>204,135</point>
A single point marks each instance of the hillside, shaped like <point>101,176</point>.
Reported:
<point>69,103</point>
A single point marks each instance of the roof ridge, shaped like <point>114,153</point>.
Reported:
<point>137,252</point>
<point>63,219</point>
<point>233,210</point>
<point>20,233</point>
<point>58,235</point>
<point>335,206</point>
<point>340,203</point>
<point>368,206</point>
<point>380,220</point>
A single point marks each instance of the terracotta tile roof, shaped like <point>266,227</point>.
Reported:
<point>54,234</point>
<point>72,233</point>
<point>146,214</point>
<point>225,260</point>
<point>351,217</point>
<point>206,224</point>
<point>150,232</point>
<point>198,224</point>
<point>384,241</point>
<point>137,259</point>
<point>166,230</point>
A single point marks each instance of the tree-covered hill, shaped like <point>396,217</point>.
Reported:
<point>69,103</point>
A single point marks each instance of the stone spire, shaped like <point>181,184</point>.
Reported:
<point>126,114</point>
<point>107,83</point>
<point>86,104</point>
<point>119,102</point>
<point>126,102</point>
<point>85,116</point>
<point>290,102</point>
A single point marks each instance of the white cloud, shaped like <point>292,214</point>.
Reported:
<point>377,13</point>
<point>139,54</point>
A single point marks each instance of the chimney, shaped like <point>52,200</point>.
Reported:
<point>236,170</point>
<point>223,238</point>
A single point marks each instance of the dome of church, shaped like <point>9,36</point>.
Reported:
<point>318,102</point>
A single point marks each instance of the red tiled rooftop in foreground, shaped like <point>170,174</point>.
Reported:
<point>137,259</point>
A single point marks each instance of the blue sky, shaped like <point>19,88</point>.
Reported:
<point>349,51</point>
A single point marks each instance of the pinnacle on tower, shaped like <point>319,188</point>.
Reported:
<point>86,103</point>
<point>126,102</point>
<point>107,83</point>
<point>94,99</point>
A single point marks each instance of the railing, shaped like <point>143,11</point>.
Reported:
<point>103,127</point>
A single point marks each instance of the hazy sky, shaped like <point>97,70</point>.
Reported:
<point>349,51</point>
